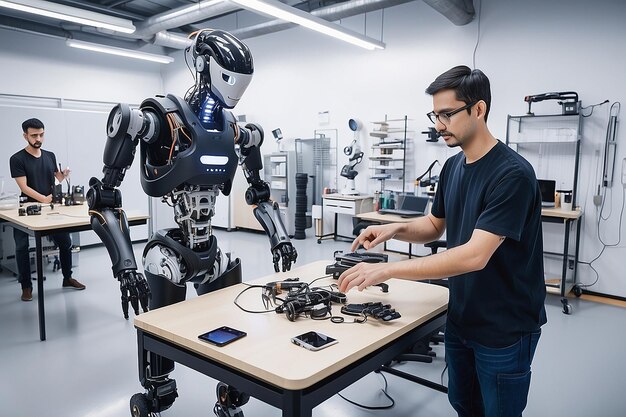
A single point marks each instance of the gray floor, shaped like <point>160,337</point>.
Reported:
<point>88,365</point>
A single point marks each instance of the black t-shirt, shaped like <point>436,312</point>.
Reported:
<point>498,193</point>
<point>39,172</point>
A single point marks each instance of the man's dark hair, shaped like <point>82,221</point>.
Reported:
<point>32,123</point>
<point>469,85</point>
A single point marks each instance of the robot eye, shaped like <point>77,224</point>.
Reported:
<point>230,80</point>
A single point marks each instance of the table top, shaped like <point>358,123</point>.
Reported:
<point>394,218</point>
<point>267,352</point>
<point>385,218</point>
<point>337,196</point>
<point>58,218</point>
<point>560,213</point>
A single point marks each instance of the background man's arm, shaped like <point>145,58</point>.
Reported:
<point>21,182</point>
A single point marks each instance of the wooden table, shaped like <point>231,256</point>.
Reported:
<point>265,363</point>
<point>68,219</point>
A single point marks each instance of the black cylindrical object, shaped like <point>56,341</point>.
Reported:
<point>301,204</point>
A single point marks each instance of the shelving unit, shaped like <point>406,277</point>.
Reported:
<point>551,143</point>
<point>388,156</point>
<point>280,174</point>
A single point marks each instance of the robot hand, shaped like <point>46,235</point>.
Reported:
<point>268,214</point>
<point>287,252</point>
<point>134,289</point>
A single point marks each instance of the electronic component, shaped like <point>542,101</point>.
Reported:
<point>377,310</point>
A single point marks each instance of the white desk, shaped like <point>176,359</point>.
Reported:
<point>344,204</point>
<point>60,219</point>
<point>265,364</point>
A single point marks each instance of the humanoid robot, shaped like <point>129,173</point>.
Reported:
<point>189,151</point>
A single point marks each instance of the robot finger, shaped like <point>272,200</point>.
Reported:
<point>144,296</point>
<point>134,299</point>
<point>276,258</point>
<point>124,301</point>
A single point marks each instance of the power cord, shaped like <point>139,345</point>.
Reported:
<point>379,407</point>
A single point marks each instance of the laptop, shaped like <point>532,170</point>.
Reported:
<point>547,188</point>
<point>408,206</point>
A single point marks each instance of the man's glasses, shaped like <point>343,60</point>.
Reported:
<point>445,117</point>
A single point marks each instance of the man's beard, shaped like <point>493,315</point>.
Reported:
<point>455,141</point>
<point>35,145</point>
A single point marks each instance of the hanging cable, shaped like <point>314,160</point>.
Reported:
<point>477,36</point>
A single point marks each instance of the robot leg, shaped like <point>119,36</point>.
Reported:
<point>154,369</point>
<point>229,399</point>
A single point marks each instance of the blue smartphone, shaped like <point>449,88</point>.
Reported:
<point>222,336</point>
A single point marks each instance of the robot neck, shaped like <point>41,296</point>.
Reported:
<point>210,113</point>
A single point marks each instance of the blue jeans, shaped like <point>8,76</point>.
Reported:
<point>489,382</point>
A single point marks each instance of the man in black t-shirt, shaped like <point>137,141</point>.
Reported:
<point>488,201</point>
<point>34,170</point>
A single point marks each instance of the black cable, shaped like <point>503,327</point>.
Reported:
<point>477,36</point>
<point>380,407</point>
<point>592,106</point>
<point>246,310</point>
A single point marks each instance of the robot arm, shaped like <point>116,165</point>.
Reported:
<point>249,138</point>
<point>125,127</point>
<point>348,170</point>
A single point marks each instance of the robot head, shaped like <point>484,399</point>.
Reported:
<point>224,63</point>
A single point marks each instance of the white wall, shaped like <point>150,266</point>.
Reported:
<point>525,48</point>
<point>45,67</point>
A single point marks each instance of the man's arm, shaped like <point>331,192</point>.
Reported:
<point>469,257</point>
<point>21,182</point>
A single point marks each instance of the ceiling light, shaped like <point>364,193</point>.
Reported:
<point>282,11</point>
<point>163,59</point>
<point>70,14</point>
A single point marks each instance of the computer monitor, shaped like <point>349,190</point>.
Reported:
<point>414,203</point>
<point>547,188</point>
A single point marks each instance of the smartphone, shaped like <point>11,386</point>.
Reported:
<point>313,340</point>
<point>222,336</point>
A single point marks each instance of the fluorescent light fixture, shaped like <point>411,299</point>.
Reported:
<point>70,14</point>
<point>163,59</point>
<point>291,14</point>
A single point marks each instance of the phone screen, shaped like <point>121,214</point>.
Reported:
<point>313,340</point>
<point>222,336</point>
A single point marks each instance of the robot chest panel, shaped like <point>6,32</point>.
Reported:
<point>213,160</point>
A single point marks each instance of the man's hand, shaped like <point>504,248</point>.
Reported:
<point>363,275</point>
<point>373,235</point>
<point>47,199</point>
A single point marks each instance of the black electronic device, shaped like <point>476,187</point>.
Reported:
<point>547,188</point>
<point>33,209</point>
<point>344,261</point>
<point>222,336</point>
<point>57,194</point>
<point>313,340</point>
<point>377,310</point>
<point>410,206</point>
<point>315,304</point>
<point>78,194</point>
<point>569,101</point>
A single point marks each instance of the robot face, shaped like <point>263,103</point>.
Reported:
<point>227,86</point>
<point>226,63</point>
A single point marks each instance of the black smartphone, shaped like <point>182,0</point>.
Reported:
<point>313,340</point>
<point>222,336</point>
